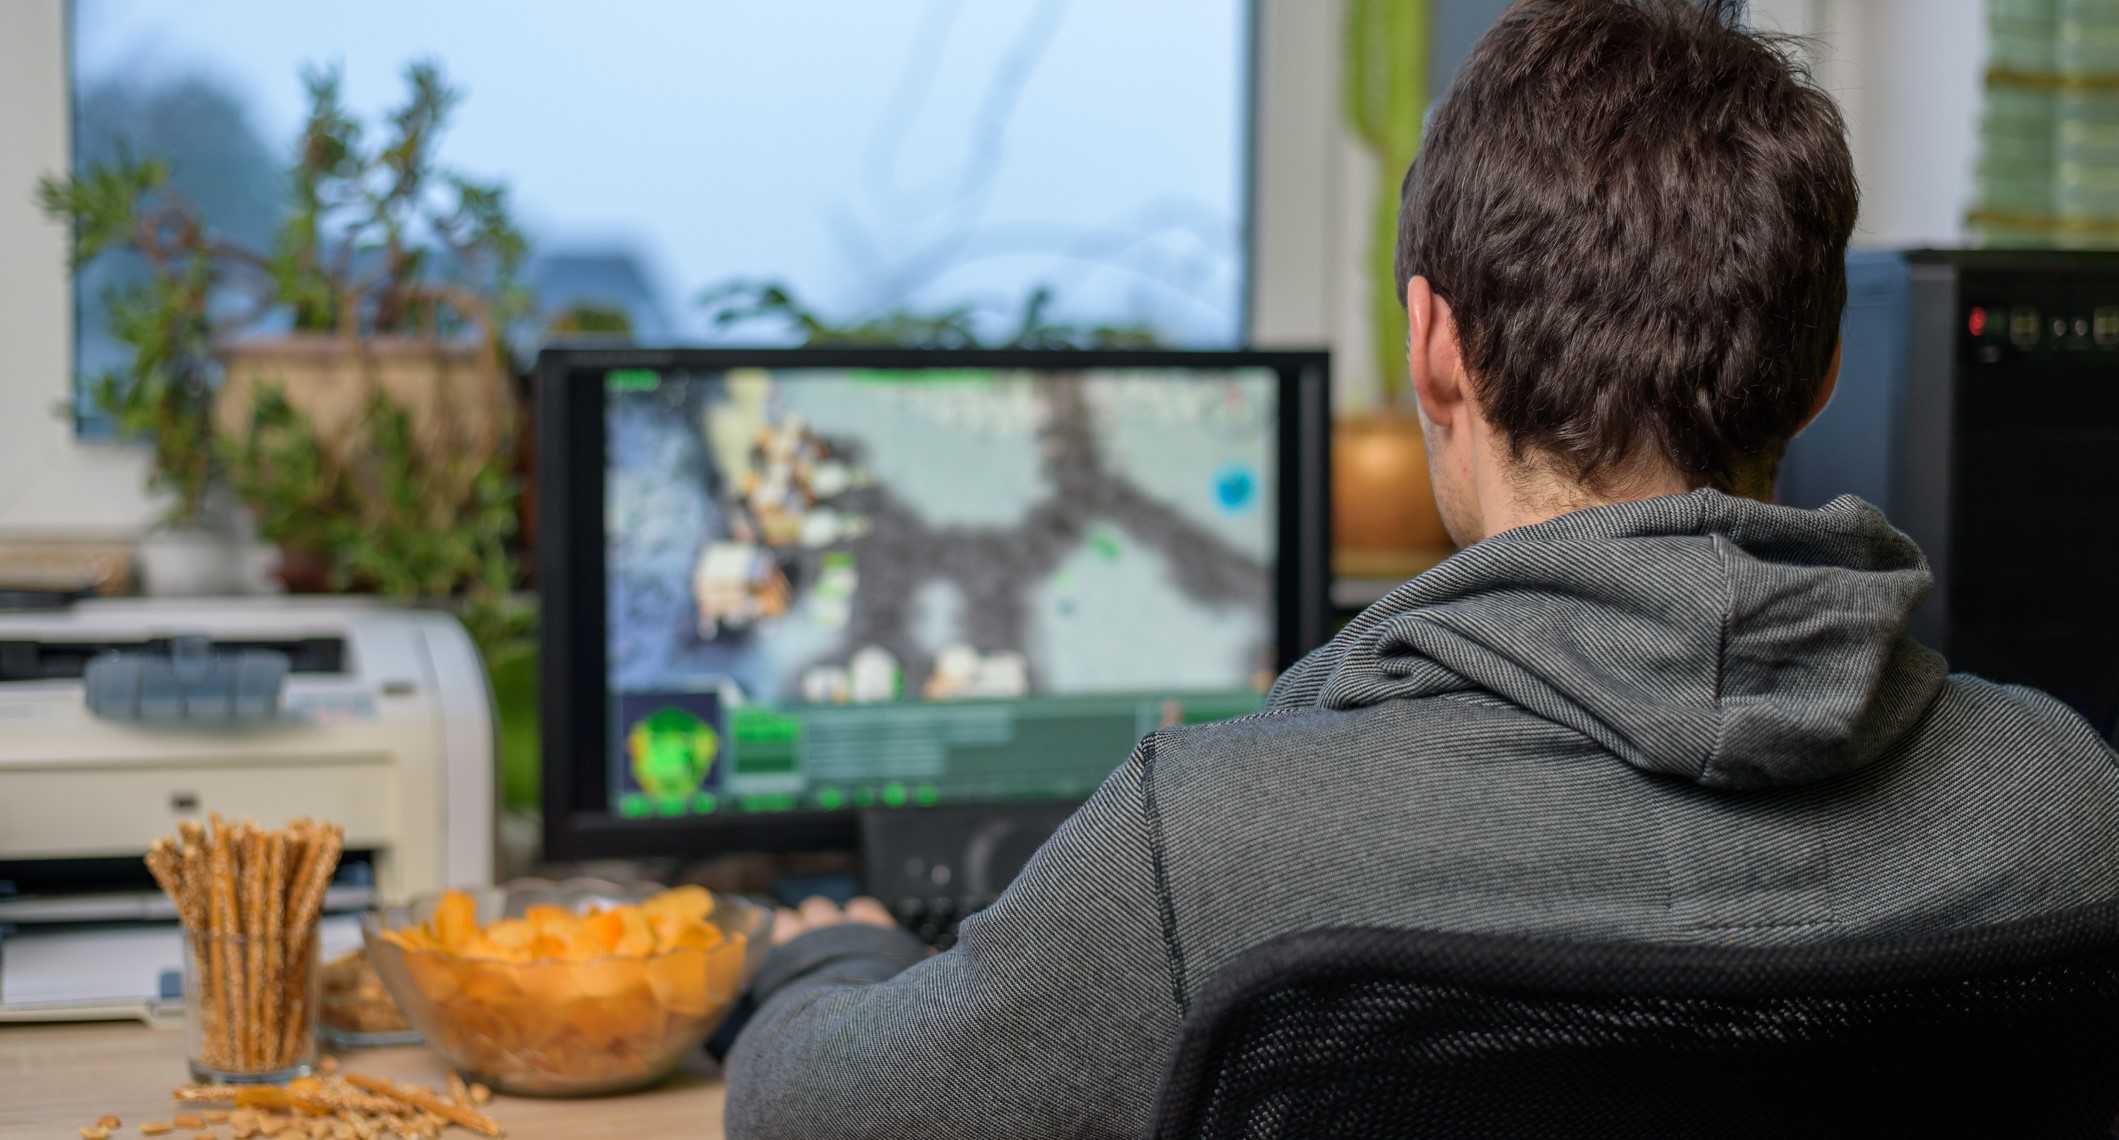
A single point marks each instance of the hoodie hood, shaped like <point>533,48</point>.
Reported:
<point>1701,636</point>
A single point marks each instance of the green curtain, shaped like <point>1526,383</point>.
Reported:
<point>1385,101</point>
<point>2048,173</point>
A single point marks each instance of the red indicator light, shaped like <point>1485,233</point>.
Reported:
<point>1978,323</point>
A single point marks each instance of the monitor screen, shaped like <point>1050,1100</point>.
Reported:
<point>828,587</point>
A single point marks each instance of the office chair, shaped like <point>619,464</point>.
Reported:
<point>1362,1032</point>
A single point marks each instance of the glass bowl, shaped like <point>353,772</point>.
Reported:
<point>560,1027</point>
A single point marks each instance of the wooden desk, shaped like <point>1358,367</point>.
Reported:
<point>57,1078</point>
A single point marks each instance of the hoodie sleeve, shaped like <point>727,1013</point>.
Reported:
<point>1050,1017</point>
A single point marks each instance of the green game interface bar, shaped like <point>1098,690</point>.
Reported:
<point>834,757</point>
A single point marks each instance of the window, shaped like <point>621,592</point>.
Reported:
<point>868,155</point>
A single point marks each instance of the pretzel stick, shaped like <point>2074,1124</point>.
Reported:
<point>192,902</point>
<point>232,938</point>
<point>249,889</point>
<point>293,1036</point>
<point>204,1094</point>
<point>337,1095</point>
<point>221,865</point>
<point>425,1101</point>
<point>196,905</point>
<point>262,1006</point>
<point>304,849</point>
<point>247,905</point>
<point>305,907</point>
<point>238,981</point>
<point>166,863</point>
<point>274,1009</point>
<point>254,903</point>
<point>302,853</point>
<point>163,863</point>
<point>329,842</point>
<point>320,1096</point>
<point>261,1001</point>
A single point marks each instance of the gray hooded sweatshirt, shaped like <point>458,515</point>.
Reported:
<point>1685,719</point>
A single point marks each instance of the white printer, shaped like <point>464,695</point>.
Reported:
<point>374,717</point>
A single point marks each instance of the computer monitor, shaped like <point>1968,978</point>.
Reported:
<point>782,587</point>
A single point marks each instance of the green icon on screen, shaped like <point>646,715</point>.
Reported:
<point>672,751</point>
<point>1106,544</point>
<point>703,803</point>
<point>830,798</point>
<point>926,795</point>
<point>633,805</point>
<point>894,795</point>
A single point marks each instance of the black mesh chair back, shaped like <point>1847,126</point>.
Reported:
<point>1361,1032</point>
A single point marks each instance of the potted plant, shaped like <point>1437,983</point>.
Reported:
<point>351,383</point>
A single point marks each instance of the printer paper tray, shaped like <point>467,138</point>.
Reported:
<point>116,971</point>
<point>138,906</point>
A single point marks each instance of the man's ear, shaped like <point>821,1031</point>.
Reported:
<point>1433,358</point>
<point>1824,390</point>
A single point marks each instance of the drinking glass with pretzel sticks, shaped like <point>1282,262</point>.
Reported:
<point>245,1027</point>
<point>249,899</point>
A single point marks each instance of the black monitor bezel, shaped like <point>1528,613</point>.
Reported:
<point>570,566</point>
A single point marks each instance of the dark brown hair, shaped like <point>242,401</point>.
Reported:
<point>1638,213</point>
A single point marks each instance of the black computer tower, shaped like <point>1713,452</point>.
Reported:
<point>1978,405</point>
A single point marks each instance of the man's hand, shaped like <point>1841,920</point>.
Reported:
<point>818,912</point>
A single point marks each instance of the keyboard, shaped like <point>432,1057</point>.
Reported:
<point>935,920</point>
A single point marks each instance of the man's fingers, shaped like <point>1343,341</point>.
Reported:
<point>820,911</point>
<point>868,910</point>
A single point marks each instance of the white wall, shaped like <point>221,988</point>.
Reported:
<point>50,485</point>
<point>1908,75</point>
<point>1310,188</point>
<point>1309,191</point>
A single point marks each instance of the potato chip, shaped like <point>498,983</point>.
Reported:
<point>546,918</point>
<point>674,933</point>
<point>455,921</point>
<point>684,904</point>
<point>512,933</point>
